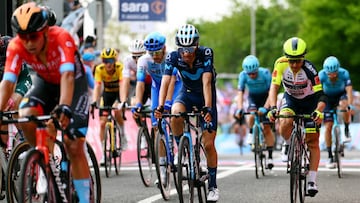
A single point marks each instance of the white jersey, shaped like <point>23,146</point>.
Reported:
<point>129,66</point>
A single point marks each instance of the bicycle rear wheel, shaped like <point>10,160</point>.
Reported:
<point>144,156</point>
<point>184,174</point>
<point>337,151</point>
<point>163,179</point>
<point>107,148</point>
<point>94,175</point>
<point>35,185</point>
<point>13,171</point>
<point>257,150</point>
<point>118,150</point>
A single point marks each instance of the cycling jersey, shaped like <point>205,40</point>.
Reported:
<point>111,82</point>
<point>258,85</point>
<point>299,85</point>
<point>191,93</point>
<point>335,88</point>
<point>60,57</point>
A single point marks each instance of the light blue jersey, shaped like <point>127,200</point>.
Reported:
<point>337,87</point>
<point>257,86</point>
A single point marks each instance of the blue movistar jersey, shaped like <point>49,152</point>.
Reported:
<point>337,87</point>
<point>256,86</point>
<point>191,76</point>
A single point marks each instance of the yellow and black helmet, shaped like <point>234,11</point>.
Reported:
<point>294,48</point>
<point>108,53</point>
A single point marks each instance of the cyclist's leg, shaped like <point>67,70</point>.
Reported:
<point>343,104</point>
<point>269,140</point>
<point>75,148</point>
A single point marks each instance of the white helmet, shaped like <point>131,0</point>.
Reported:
<point>137,46</point>
<point>187,35</point>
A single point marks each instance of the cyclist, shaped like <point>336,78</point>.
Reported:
<point>22,85</point>
<point>196,68</point>
<point>337,86</point>
<point>128,84</point>
<point>108,76</point>
<point>153,63</point>
<point>59,83</point>
<point>303,94</point>
<point>257,80</point>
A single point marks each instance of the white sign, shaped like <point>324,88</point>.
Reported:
<point>142,27</point>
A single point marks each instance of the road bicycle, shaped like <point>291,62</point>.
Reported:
<point>191,159</point>
<point>165,138</point>
<point>145,146</point>
<point>44,179</point>
<point>298,158</point>
<point>259,145</point>
<point>112,142</point>
<point>338,151</point>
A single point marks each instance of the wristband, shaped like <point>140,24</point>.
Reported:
<point>167,105</point>
<point>351,107</point>
<point>263,110</point>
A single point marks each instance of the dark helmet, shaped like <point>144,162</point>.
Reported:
<point>30,17</point>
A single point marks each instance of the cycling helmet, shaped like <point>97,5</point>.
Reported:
<point>250,64</point>
<point>331,64</point>
<point>294,48</point>
<point>31,18</point>
<point>108,53</point>
<point>137,46</point>
<point>187,36</point>
<point>154,41</point>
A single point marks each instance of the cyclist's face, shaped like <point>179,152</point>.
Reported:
<point>158,55</point>
<point>188,54</point>
<point>296,64</point>
<point>33,42</point>
<point>332,76</point>
<point>109,65</point>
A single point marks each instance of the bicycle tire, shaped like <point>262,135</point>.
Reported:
<point>144,156</point>
<point>107,149</point>
<point>304,164</point>
<point>13,171</point>
<point>117,154</point>
<point>184,174</point>
<point>294,169</point>
<point>203,176</point>
<point>261,152</point>
<point>165,187</point>
<point>256,151</point>
<point>94,175</point>
<point>337,151</point>
<point>31,175</point>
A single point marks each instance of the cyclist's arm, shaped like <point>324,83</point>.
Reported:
<point>207,89</point>
<point>170,88</point>
<point>272,98</point>
<point>240,99</point>
<point>6,89</point>
<point>67,87</point>
<point>140,88</point>
<point>349,93</point>
<point>125,86</point>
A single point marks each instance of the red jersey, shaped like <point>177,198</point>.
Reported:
<point>61,50</point>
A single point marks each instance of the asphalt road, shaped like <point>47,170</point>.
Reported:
<point>237,182</point>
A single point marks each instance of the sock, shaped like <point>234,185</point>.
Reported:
<point>212,177</point>
<point>312,176</point>
<point>329,152</point>
<point>270,150</point>
<point>177,139</point>
<point>82,187</point>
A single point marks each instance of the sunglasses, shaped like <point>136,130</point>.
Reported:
<point>188,50</point>
<point>292,61</point>
<point>34,36</point>
<point>108,60</point>
<point>156,53</point>
<point>252,74</point>
<point>135,57</point>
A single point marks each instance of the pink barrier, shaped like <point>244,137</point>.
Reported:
<point>131,130</point>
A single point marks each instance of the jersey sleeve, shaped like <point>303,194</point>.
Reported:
<point>280,65</point>
<point>170,63</point>
<point>13,63</point>
<point>97,75</point>
<point>141,69</point>
<point>347,78</point>
<point>67,49</point>
<point>127,67</point>
<point>208,60</point>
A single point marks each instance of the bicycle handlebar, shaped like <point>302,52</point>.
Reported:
<point>296,116</point>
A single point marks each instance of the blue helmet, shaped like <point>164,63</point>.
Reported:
<point>154,41</point>
<point>250,64</point>
<point>331,64</point>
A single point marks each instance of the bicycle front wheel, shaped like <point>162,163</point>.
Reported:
<point>200,169</point>
<point>13,178</point>
<point>184,172</point>
<point>117,153</point>
<point>295,169</point>
<point>257,151</point>
<point>338,151</point>
<point>144,156</point>
<point>107,148</point>
<point>161,166</point>
<point>35,185</point>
